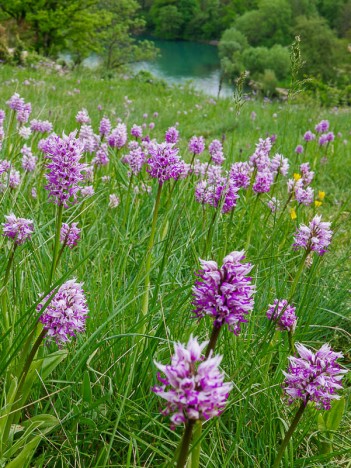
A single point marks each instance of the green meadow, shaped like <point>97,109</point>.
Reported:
<point>90,403</point>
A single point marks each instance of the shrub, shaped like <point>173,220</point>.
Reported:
<point>255,59</point>
<point>278,60</point>
<point>268,82</point>
<point>232,42</point>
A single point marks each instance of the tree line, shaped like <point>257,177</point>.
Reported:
<point>78,27</point>
<point>255,34</point>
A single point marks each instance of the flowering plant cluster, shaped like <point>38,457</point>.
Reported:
<point>314,376</point>
<point>21,108</point>
<point>283,314</point>
<point>217,191</point>
<point>66,313</point>
<point>197,145</point>
<point>194,388</point>
<point>315,237</point>
<point>41,126</point>
<point>164,162</point>
<point>226,293</point>
<point>18,229</point>
<point>121,165</point>
<point>64,167</point>
<point>69,235</point>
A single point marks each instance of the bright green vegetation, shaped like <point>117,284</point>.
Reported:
<point>100,392</point>
<point>79,27</point>
<point>255,35</point>
<point>252,35</point>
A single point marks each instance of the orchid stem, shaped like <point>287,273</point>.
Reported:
<point>289,434</point>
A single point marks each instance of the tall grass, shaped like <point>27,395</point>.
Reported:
<point>100,390</point>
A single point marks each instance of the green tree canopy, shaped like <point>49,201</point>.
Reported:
<point>168,22</point>
<point>80,27</point>
<point>318,46</point>
<point>55,25</point>
<point>232,41</point>
<point>268,25</point>
<point>115,35</point>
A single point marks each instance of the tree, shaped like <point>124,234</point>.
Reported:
<point>343,21</point>
<point>81,27</point>
<point>117,45</point>
<point>330,9</point>
<point>232,42</point>
<point>255,59</point>
<point>212,27</point>
<point>230,49</point>
<point>318,46</point>
<point>278,60</point>
<point>168,22</point>
<point>304,8</point>
<point>55,24</point>
<point>171,18</point>
<point>268,25</point>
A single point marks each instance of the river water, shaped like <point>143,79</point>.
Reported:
<point>183,61</point>
<point>180,62</point>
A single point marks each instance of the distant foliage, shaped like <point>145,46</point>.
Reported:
<point>269,26</point>
<point>319,46</point>
<point>79,27</point>
<point>324,28</point>
<point>116,44</point>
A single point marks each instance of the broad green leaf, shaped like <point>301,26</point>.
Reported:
<point>10,395</point>
<point>86,388</point>
<point>25,455</point>
<point>334,415</point>
<point>32,376</point>
<point>45,422</point>
<point>52,361</point>
<point>322,427</point>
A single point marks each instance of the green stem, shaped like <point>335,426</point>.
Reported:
<point>227,230</point>
<point>195,453</point>
<point>192,160</point>
<point>126,208</point>
<point>60,253</point>
<point>276,226</point>
<point>8,133</point>
<point>3,290</point>
<point>145,302</point>
<point>210,233</point>
<point>184,449</point>
<point>213,340</point>
<point>57,243</point>
<point>298,276</point>
<point>9,264</point>
<point>30,358</point>
<point>289,434</point>
<point>291,341</point>
<point>17,398</point>
<point>247,245</point>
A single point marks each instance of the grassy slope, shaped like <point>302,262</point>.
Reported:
<point>119,420</point>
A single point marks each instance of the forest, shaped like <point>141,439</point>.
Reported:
<point>255,35</point>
